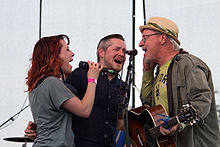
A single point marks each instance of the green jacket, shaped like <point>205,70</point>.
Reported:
<point>190,80</point>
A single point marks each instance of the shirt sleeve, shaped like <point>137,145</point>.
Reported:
<point>59,93</point>
<point>199,92</point>
<point>147,83</point>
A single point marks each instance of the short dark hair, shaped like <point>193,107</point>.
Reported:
<point>105,42</point>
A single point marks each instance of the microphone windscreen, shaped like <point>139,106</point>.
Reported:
<point>84,65</point>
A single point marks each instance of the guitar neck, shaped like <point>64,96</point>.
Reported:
<point>155,132</point>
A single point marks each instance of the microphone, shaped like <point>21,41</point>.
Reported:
<point>131,52</point>
<point>85,65</point>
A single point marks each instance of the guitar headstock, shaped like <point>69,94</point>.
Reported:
<point>188,114</point>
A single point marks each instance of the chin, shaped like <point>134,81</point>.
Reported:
<point>67,71</point>
<point>118,69</point>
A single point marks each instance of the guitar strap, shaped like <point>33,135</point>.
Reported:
<point>40,81</point>
<point>165,120</point>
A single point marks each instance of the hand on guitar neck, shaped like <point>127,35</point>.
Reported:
<point>170,131</point>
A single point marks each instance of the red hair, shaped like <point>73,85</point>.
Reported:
<point>45,60</point>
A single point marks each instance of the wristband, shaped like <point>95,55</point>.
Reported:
<point>92,80</point>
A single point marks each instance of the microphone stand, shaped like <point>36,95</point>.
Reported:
<point>128,82</point>
<point>12,118</point>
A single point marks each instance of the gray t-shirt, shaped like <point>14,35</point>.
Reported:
<point>54,124</point>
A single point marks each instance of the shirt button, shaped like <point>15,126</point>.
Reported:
<point>105,135</point>
<point>108,108</point>
<point>106,122</point>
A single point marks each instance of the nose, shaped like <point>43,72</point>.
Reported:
<point>121,52</point>
<point>73,54</point>
<point>141,43</point>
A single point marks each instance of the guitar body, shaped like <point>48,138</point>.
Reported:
<point>141,120</point>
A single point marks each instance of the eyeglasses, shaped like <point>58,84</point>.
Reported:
<point>144,37</point>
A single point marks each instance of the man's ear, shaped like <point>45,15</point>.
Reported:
<point>101,53</point>
<point>163,38</point>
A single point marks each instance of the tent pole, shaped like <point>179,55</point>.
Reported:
<point>144,13</point>
<point>133,46</point>
<point>40,19</point>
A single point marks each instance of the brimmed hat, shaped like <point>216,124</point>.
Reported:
<point>163,25</point>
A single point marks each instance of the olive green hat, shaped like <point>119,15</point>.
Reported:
<point>163,25</point>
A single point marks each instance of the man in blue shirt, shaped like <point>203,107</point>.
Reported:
<point>100,127</point>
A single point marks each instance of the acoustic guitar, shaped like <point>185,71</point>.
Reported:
<point>144,125</point>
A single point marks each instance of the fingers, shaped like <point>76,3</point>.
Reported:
<point>95,65</point>
<point>164,131</point>
<point>31,134</point>
<point>94,70</point>
<point>30,126</point>
<point>167,131</point>
<point>30,131</point>
<point>31,123</point>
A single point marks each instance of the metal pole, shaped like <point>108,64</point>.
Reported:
<point>144,12</point>
<point>12,118</point>
<point>133,46</point>
<point>40,19</point>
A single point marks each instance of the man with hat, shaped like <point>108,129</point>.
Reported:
<point>180,79</point>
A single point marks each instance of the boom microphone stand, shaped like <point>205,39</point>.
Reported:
<point>17,139</point>
<point>13,117</point>
<point>128,82</point>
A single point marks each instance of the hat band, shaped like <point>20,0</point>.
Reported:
<point>163,29</point>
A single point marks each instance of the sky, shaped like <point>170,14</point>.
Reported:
<point>85,22</point>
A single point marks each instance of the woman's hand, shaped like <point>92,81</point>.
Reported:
<point>94,70</point>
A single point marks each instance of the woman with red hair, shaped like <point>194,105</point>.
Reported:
<point>50,100</point>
